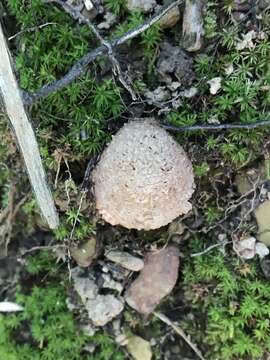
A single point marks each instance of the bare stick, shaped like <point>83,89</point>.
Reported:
<point>79,67</point>
<point>34,28</point>
<point>180,332</point>
<point>217,127</point>
<point>13,106</point>
<point>210,248</point>
<point>45,247</point>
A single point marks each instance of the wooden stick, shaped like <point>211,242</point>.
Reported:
<point>180,332</point>
<point>13,106</point>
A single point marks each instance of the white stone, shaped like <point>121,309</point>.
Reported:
<point>215,85</point>
<point>103,309</point>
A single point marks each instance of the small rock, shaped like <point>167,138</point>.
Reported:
<point>213,120</point>
<point>126,260</point>
<point>170,19</point>
<point>70,305</point>
<point>88,330</point>
<point>121,339</point>
<point>174,62</point>
<point>84,253</point>
<point>142,5</point>
<point>174,85</point>
<point>110,283</point>
<point>157,96</point>
<point>8,307</point>
<point>189,93</point>
<point>156,280</point>
<point>262,214</point>
<point>215,85</point>
<point>88,4</point>
<point>246,179</point>
<point>139,348</point>
<point>265,266</point>
<point>245,248</point>
<point>86,288</point>
<point>110,20</point>
<point>103,309</point>
<point>90,348</point>
<point>229,69</point>
<point>261,250</point>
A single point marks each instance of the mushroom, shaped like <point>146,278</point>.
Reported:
<point>144,178</point>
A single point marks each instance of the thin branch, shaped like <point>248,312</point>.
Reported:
<point>79,67</point>
<point>210,248</point>
<point>34,28</point>
<point>76,14</point>
<point>211,127</point>
<point>180,332</point>
<point>14,108</point>
<point>45,247</point>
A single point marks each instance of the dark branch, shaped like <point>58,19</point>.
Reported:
<point>79,67</point>
<point>76,14</point>
<point>217,127</point>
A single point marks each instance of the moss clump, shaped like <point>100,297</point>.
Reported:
<point>231,301</point>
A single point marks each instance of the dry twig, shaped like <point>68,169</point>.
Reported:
<point>79,67</point>
<point>45,247</point>
<point>76,14</point>
<point>210,248</point>
<point>210,127</point>
<point>180,332</point>
<point>34,28</point>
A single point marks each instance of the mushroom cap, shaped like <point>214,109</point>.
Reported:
<point>144,178</point>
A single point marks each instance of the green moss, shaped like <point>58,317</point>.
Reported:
<point>71,119</point>
<point>117,7</point>
<point>232,300</point>
<point>46,329</point>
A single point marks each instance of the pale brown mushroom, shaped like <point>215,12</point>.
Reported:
<point>144,178</point>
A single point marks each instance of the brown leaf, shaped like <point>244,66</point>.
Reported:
<point>156,280</point>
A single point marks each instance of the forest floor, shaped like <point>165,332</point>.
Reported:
<point>221,300</point>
